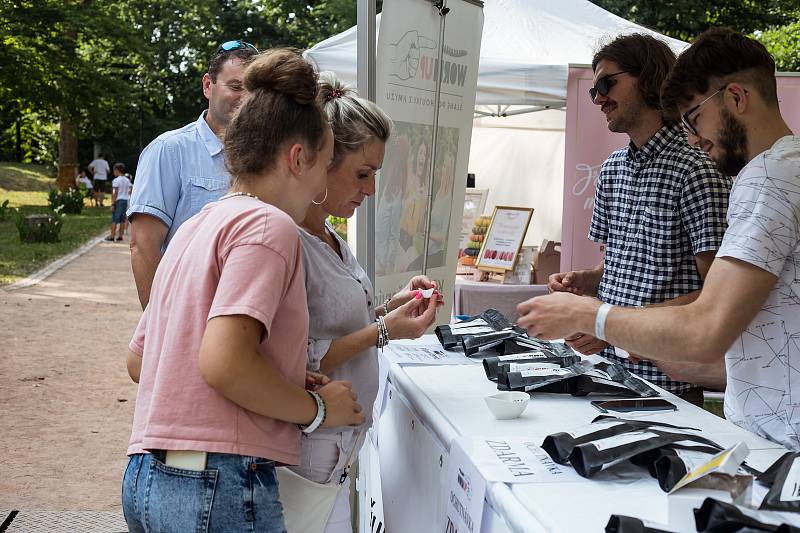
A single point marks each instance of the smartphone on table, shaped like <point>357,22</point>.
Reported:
<point>630,405</point>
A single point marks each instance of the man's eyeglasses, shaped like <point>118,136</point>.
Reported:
<point>685,118</point>
<point>230,46</point>
<point>604,85</point>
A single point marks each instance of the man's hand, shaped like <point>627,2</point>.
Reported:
<point>558,315</point>
<point>576,281</point>
<point>586,344</point>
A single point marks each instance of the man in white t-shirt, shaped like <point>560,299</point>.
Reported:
<point>749,308</point>
<point>100,170</point>
<point>121,187</point>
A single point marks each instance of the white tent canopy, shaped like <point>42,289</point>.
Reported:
<point>525,52</point>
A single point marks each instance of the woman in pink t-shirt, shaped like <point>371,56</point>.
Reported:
<point>220,350</point>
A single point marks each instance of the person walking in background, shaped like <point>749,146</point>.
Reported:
<point>121,193</point>
<point>182,170</point>
<point>100,170</point>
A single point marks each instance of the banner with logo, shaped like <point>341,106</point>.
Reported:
<point>465,491</point>
<point>426,55</point>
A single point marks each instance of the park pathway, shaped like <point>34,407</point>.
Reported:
<point>66,401</point>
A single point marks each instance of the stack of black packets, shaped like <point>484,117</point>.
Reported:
<point>517,362</point>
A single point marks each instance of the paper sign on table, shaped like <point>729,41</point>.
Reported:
<point>516,460</point>
<point>465,490</point>
<point>424,354</point>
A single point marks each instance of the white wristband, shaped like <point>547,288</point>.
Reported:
<point>321,414</point>
<point>600,321</point>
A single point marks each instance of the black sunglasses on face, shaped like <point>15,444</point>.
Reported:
<point>603,85</point>
<point>686,117</point>
<point>229,46</point>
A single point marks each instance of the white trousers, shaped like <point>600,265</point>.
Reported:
<point>319,461</point>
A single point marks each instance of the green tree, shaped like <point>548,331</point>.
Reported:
<point>773,22</point>
<point>121,72</point>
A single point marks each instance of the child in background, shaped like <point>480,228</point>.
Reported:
<point>84,179</point>
<point>121,193</point>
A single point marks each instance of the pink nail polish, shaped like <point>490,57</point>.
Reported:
<point>418,295</point>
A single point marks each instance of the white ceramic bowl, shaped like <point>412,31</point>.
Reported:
<point>507,405</point>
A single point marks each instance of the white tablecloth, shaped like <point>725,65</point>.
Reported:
<point>474,297</point>
<point>448,402</point>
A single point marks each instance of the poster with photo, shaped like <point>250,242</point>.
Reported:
<point>504,238</point>
<point>403,199</point>
<point>423,63</point>
<point>474,204</point>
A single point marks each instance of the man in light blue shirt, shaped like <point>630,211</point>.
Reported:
<point>182,170</point>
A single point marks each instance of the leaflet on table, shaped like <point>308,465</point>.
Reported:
<point>420,353</point>
<point>725,462</point>
<point>465,492</point>
<point>514,460</point>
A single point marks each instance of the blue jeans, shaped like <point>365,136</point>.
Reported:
<point>235,493</point>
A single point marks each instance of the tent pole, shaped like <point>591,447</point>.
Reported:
<point>365,217</point>
<point>441,6</point>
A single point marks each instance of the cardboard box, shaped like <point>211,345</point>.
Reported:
<point>547,261</point>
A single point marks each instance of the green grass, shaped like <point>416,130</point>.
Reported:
<point>26,186</point>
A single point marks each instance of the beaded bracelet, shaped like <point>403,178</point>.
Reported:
<point>386,305</point>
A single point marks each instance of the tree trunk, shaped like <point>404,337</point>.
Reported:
<point>67,156</point>
<point>19,140</point>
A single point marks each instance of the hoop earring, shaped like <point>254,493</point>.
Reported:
<point>323,200</point>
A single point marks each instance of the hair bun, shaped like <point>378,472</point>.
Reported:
<point>330,88</point>
<point>282,71</point>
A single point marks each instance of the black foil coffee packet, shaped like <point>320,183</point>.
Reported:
<point>628,524</point>
<point>541,376</point>
<point>673,462</point>
<point>769,475</point>
<point>490,321</point>
<point>556,362</point>
<point>784,494</point>
<point>591,457</point>
<point>474,344</point>
<point>614,379</point>
<point>523,343</point>
<point>491,365</point>
<point>560,445</point>
<point>714,516</point>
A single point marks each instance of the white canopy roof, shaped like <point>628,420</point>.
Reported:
<point>526,48</point>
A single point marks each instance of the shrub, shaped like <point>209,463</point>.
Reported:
<point>72,200</point>
<point>5,211</point>
<point>48,230</point>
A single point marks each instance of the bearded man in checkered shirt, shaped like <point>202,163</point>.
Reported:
<point>660,204</point>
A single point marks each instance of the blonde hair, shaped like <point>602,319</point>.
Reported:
<point>355,121</point>
<point>281,107</point>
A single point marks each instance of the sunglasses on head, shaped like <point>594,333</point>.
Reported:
<point>230,46</point>
<point>603,85</point>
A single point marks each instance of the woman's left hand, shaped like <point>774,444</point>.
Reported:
<point>407,293</point>
<point>315,380</point>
